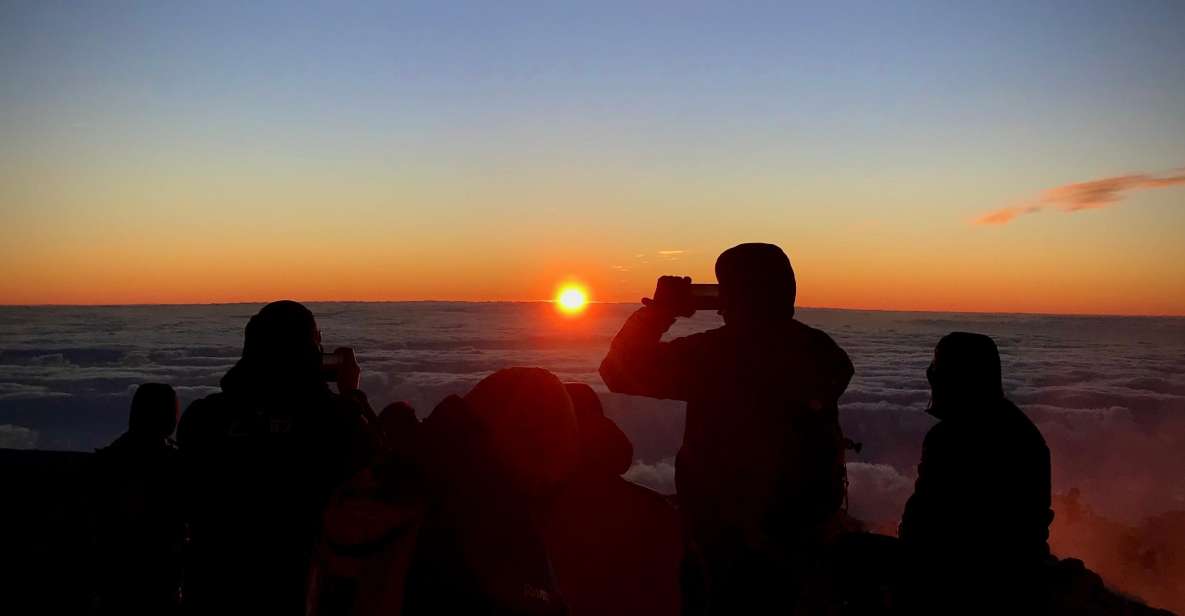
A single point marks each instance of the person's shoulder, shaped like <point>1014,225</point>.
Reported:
<point>112,450</point>
<point>203,409</point>
<point>1023,424</point>
<point>207,403</point>
<point>816,337</point>
<point>820,344</point>
<point>941,433</point>
<point>200,414</point>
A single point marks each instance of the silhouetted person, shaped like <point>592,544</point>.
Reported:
<point>493,458</point>
<point>615,545</point>
<point>977,525</point>
<point>760,471</point>
<point>139,526</point>
<point>262,458</point>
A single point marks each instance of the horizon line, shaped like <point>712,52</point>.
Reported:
<point>551,301</point>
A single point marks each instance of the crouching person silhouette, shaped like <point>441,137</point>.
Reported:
<point>760,472</point>
<point>975,530</point>
<point>262,459</point>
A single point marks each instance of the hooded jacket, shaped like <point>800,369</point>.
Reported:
<point>983,490</point>
<point>262,459</point>
<point>762,452</point>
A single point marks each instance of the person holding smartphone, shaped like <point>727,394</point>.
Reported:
<point>262,458</point>
<point>760,474</point>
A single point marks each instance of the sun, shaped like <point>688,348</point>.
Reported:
<point>571,299</point>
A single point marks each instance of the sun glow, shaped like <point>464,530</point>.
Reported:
<point>571,299</point>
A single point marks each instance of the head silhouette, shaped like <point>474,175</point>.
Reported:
<point>154,411</point>
<point>527,415</point>
<point>965,372</point>
<point>399,426</point>
<point>397,418</point>
<point>756,283</point>
<point>283,338</point>
<point>604,448</point>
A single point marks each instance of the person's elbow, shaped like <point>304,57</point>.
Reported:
<point>613,376</point>
<point>625,376</point>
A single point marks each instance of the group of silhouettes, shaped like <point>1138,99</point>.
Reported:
<point>282,496</point>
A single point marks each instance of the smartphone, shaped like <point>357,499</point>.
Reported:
<point>331,364</point>
<point>683,298</point>
<point>705,296</point>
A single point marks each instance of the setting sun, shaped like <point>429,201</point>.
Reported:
<point>571,299</point>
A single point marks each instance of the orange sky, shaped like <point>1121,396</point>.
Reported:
<point>114,241</point>
<point>212,270</point>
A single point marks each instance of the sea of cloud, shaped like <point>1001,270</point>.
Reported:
<point>1107,392</point>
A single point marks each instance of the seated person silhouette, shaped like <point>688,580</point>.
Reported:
<point>139,527</point>
<point>262,458</point>
<point>975,529</point>
<point>491,460</point>
<point>760,473</point>
<point>615,545</point>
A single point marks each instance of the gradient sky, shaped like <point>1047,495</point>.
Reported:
<point>209,152</point>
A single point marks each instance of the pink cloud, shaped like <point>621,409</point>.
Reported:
<point>1082,196</point>
<point>1005,215</point>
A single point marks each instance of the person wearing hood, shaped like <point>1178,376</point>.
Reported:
<point>138,521</point>
<point>760,473</point>
<point>492,461</point>
<point>262,458</point>
<point>977,523</point>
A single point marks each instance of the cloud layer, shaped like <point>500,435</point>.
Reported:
<point>1082,196</point>
<point>1107,392</point>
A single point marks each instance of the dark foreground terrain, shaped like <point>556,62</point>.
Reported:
<point>48,565</point>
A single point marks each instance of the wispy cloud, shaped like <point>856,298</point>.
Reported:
<point>668,254</point>
<point>1079,196</point>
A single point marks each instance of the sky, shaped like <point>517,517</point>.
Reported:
<point>995,156</point>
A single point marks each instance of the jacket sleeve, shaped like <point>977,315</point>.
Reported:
<point>641,364</point>
<point>924,509</point>
<point>361,439</point>
<point>841,372</point>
